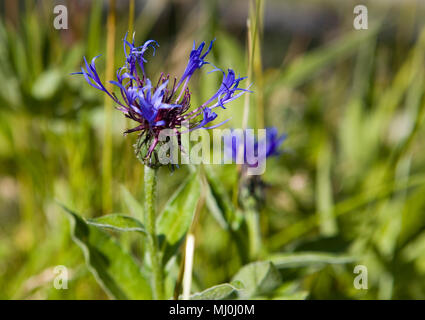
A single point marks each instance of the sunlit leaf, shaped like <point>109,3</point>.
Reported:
<point>218,292</point>
<point>258,278</point>
<point>175,220</point>
<point>118,222</point>
<point>300,295</point>
<point>115,270</point>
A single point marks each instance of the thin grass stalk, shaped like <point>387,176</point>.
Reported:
<point>258,66</point>
<point>245,116</point>
<point>131,17</point>
<point>107,142</point>
<point>252,217</point>
<point>251,39</point>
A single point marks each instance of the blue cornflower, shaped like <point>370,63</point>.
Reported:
<point>227,90</point>
<point>135,54</point>
<point>272,141</point>
<point>196,60</point>
<point>164,105</point>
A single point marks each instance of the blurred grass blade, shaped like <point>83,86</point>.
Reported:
<point>131,17</point>
<point>356,202</point>
<point>307,259</point>
<point>107,156</point>
<point>257,62</point>
<point>118,222</point>
<point>413,223</point>
<point>324,196</point>
<point>115,270</point>
<point>150,14</point>
<point>94,28</point>
<point>177,216</point>
<point>392,97</point>
<point>34,42</point>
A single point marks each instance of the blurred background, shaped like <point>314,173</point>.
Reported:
<point>352,179</point>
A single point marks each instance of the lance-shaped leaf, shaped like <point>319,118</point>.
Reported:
<point>118,222</point>
<point>177,216</point>
<point>115,269</point>
<point>307,259</point>
<point>217,200</point>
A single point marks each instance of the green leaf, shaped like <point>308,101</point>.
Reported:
<point>118,222</point>
<point>134,206</point>
<point>307,259</point>
<point>115,269</point>
<point>300,295</point>
<point>177,216</point>
<point>258,278</point>
<point>218,292</point>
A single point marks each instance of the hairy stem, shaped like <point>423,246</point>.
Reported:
<point>150,221</point>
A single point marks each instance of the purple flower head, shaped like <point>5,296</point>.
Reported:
<point>166,104</point>
<point>272,141</point>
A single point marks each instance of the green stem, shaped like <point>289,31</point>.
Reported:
<point>150,222</point>
<point>254,233</point>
